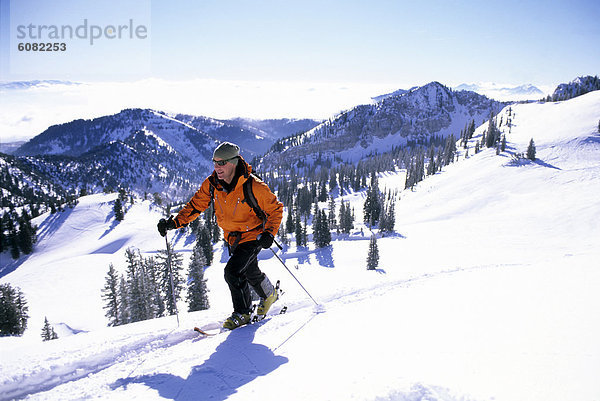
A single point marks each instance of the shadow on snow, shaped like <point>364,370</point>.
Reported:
<point>236,361</point>
<point>47,228</point>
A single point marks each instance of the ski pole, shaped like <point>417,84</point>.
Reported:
<point>289,271</point>
<point>171,278</point>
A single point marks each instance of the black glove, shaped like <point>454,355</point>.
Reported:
<point>265,239</point>
<point>164,225</point>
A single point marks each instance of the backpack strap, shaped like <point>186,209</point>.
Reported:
<point>251,199</point>
<point>212,196</point>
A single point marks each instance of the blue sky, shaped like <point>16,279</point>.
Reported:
<point>402,42</point>
<point>276,59</point>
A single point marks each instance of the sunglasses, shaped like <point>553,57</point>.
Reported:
<point>222,162</point>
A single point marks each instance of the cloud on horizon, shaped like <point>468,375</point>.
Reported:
<point>28,110</point>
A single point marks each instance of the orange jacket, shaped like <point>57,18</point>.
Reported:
<point>233,212</point>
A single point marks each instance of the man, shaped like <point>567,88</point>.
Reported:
<point>245,232</point>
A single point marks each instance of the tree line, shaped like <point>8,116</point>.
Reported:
<point>152,286</point>
<point>17,234</point>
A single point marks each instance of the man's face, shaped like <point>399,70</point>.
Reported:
<point>225,172</point>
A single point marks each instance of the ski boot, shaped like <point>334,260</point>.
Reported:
<point>266,303</point>
<point>236,320</point>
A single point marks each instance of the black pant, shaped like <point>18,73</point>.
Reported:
<point>239,273</point>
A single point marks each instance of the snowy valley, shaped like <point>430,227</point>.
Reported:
<point>487,290</point>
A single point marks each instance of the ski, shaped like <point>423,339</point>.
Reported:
<point>212,329</point>
<point>205,333</point>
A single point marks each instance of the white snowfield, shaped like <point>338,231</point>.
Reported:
<point>488,291</point>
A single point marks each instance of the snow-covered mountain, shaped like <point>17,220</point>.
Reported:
<point>488,291</point>
<point>9,147</point>
<point>365,130</point>
<point>21,183</point>
<point>394,93</point>
<point>142,150</point>
<point>255,137</point>
<point>577,87</point>
<point>503,92</point>
<point>80,136</point>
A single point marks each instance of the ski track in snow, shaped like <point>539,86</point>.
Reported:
<point>133,351</point>
<point>46,378</point>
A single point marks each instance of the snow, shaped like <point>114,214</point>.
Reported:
<point>488,291</point>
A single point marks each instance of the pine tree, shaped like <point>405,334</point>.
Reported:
<point>388,217</point>
<point>300,232</point>
<point>13,241</point>
<point>321,232</point>
<point>283,237</point>
<point>492,132</point>
<point>3,240</point>
<point>331,213</point>
<point>122,195</point>
<point>333,175</point>
<point>25,235</point>
<point>346,218</point>
<point>322,197</point>
<point>531,150</point>
<point>9,320</point>
<point>136,287</point>
<point>156,301</point>
<point>110,295</point>
<point>316,222</point>
<point>471,129</point>
<point>420,167</point>
<point>326,236</point>
<point>203,240</point>
<point>5,223</point>
<point>210,220</point>
<point>372,205</point>
<point>48,332</point>
<point>410,176</point>
<point>449,150</point>
<point>289,222</point>
<point>123,301</point>
<point>503,145</point>
<point>171,264</point>
<point>431,167</point>
<point>147,290</point>
<point>118,209</point>
<point>304,201</point>
<point>13,311</point>
<point>197,292</point>
<point>304,232</point>
<point>373,256</point>
<point>22,309</point>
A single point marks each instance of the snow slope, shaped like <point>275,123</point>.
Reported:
<point>488,291</point>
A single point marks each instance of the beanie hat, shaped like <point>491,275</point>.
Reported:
<point>226,151</point>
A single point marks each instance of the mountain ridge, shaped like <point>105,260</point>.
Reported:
<point>142,150</point>
<point>432,109</point>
